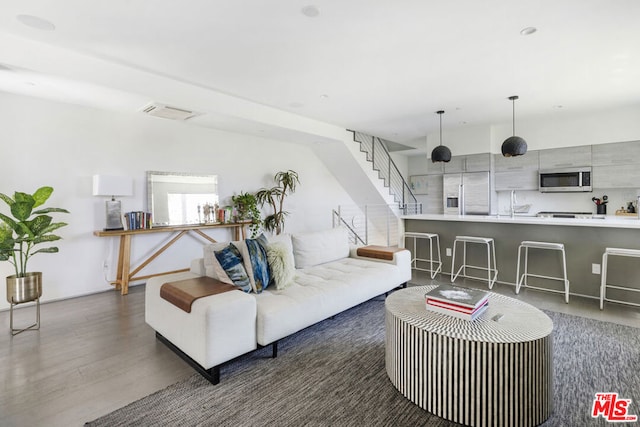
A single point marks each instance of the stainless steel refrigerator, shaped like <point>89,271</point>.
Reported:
<point>466,193</point>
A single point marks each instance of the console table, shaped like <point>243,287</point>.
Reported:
<point>494,371</point>
<point>125,275</point>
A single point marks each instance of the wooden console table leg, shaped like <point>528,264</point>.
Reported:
<point>125,256</point>
<point>118,282</point>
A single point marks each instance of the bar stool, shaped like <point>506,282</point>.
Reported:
<point>603,277</point>
<point>430,260</point>
<point>527,244</point>
<point>491,250</point>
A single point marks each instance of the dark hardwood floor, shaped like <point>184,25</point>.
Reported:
<point>95,354</point>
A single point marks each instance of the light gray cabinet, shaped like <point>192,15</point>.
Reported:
<point>516,173</point>
<point>616,165</point>
<point>516,180</point>
<point>619,153</point>
<point>528,162</point>
<point>431,196</point>
<point>469,163</point>
<point>436,168</point>
<point>565,157</point>
<point>616,176</point>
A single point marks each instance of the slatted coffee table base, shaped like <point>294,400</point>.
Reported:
<point>475,383</point>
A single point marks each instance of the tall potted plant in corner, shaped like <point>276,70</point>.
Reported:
<point>287,182</point>
<point>20,237</point>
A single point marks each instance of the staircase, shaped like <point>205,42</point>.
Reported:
<point>378,224</point>
<point>381,161</point>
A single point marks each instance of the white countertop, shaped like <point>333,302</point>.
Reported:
<point>611,221</point>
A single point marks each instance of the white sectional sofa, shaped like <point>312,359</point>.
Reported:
<point>329,278</point>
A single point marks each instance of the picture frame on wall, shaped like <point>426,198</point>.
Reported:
<point>418,184</point>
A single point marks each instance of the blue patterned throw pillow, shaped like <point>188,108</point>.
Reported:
<point>231,261</point>
<point>259,263</point>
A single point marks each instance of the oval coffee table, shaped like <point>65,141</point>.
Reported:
<point>496,370</point>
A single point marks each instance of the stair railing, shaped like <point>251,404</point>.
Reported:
<point>378,155</point>
<point>373,224</point>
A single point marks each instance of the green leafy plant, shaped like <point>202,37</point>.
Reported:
<point>247,206</point>
<point>287,182</point>
<point>20,235</point>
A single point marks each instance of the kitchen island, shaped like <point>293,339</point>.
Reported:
<point>585,240</point>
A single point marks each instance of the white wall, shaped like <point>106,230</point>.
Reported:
<point>560,129</point>
<point>62,145</point>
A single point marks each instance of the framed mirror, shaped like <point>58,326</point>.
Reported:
<point>175,198</point>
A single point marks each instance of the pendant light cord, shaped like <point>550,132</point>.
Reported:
<point>513,103</point>
<point>440,113</point>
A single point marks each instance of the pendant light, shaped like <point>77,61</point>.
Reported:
<point>440,153</point>
<point>514,145</point>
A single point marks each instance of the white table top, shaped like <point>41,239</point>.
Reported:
<point>608,221</point>
<point>506,320</point>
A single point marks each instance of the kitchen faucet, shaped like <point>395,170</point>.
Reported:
<point>513,203</point>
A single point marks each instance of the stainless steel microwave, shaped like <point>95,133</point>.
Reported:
<point>566,180</point>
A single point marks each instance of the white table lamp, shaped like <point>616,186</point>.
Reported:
<point>112,186</point>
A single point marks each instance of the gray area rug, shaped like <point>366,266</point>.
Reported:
<point>333,374</point>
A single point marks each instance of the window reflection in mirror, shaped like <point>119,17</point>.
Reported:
<point>175,198</point>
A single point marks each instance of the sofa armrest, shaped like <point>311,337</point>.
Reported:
<point>399,257</point>
<point>197,266</point>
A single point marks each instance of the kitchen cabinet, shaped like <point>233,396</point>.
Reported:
<point>469,163</point>
<point>436,168</point>
<point>431,198</point>
<point>619,153</point>
<point>616,176</point>
<point>528,162</point>
<point>516,180</point>
<point>516,173</point>
<point>565,157</point>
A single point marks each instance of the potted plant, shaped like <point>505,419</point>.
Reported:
<point>20,237</point>
<point>247,207</point>
<point>274,196</point>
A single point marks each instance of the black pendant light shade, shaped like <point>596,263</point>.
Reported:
<point>440,153</point>
<point>514,145</point>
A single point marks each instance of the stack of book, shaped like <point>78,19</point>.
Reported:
<point>137,220</point>
<point>462,303</point>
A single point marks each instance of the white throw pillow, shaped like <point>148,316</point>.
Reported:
<point>281,263</point>
<point>212,267</point>
<point>320,247</point>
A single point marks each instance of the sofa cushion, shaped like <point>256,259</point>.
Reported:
<point>231,261</point>
<point>212,267</point>
<point>259,264</point>
<point>281,263</point>
<point>320,247</point>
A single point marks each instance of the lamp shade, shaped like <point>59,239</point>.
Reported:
<point>441,154</point>
<point>514,146</point>
<point>109,185</point>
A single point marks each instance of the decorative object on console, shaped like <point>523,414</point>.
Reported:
<point>109,185</point>
<point>18,237</point>
<point>287,182</point>
<point>514,145</point>
<point>247,209</point>
<point>441,153</point>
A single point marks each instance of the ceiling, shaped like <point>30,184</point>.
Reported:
<point>382,67</point>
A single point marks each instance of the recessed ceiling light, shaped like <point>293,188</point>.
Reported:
<point>35,22</point>
<point>527,31</point>
<point>310,11</point>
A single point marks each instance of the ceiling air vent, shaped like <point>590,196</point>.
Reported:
<point>167,112</point>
